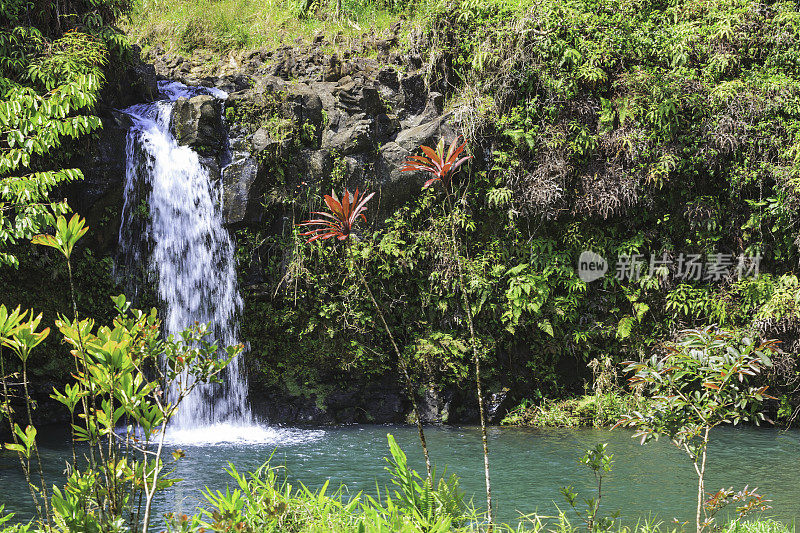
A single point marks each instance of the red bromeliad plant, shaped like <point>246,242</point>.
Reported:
<point>442,166</point>
<point>438,163</point>
<point>341,219</point>
<point>340,222</point>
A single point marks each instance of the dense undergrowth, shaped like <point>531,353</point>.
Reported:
<point>653,129</point>
<point>661,128</point>
<point>663,131</point>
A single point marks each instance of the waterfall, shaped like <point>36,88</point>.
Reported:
<point>172,223</point>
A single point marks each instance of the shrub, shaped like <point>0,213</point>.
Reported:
<point>702,382</point>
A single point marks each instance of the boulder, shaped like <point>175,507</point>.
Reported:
<point>414,92</point>
<point>433,110</point>
<point>319,164</point>
<point>332,70</point>
<point>352,137</point>
<point>263,141</point>
<point>232,83</point>
<point>427,133</point>
<point>242,192</point>
<point>386,125</point>
<point>304,106</point>
<point>435,406</point>
<point>388,77</point>
<point>388,85</point>
<point>324,90</point>
<point>212,166</point>
<point>396,187</point>
<point>197,122</point>
<point>498,405</point>
<point>355,98</point>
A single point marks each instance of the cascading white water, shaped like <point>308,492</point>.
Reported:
<point>173,214</point>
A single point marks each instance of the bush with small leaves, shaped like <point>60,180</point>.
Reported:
<point>703,381</point>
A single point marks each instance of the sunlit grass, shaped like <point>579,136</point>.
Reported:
<point>759,526</point>
<point>223,25</point>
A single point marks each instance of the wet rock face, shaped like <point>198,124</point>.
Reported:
<point>362,123</point>
<point>100,192</point>
<point>357,117</point>
<point>197,122</point>
<point>241,187</point>
<point>372,403</point>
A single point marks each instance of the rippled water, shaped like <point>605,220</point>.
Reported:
<point>528,466</point>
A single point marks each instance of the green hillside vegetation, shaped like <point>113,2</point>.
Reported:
<point>667,131</point>
<point>646,129</point>
<point>628,128</point>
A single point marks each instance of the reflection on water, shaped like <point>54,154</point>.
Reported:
<point>528,466</point>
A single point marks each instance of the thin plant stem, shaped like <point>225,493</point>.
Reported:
<point>25,464</point>
<point>35,445</point>
<point>701,473</point>
<point>150,493</point>
<point>404,369</point>
<point>476,361</point>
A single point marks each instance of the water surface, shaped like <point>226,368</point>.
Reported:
<point>528,466</point>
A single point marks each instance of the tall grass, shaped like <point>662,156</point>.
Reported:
<point>759,526</point>
<point>223,25</point>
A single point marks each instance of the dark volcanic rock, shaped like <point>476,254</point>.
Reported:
<point>104,170</point>
<point>304,106</point>
<point>352,137</point>
<point>386,127</point>
<point>498,405</point>
<point>243,192</point>
<point>426,133</point>
<point>197,122</point>
<point>103,166</point>
<point>383,402</point>
<point>355,98</point>
<point>332,70</point>
<point>435,406</point>
<point>130,82</point>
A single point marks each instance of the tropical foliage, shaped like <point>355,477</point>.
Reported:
<point>704,380</point>
<point>126,376</point>
<point>656,132</point>
<point>662,132</point>
<point>341,220</point>
<point>442,166</point>
<point>52,60</point>
<point>339,223</point>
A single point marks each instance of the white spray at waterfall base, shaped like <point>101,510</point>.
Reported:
<point>173,211</point>
<point>225,433</point>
